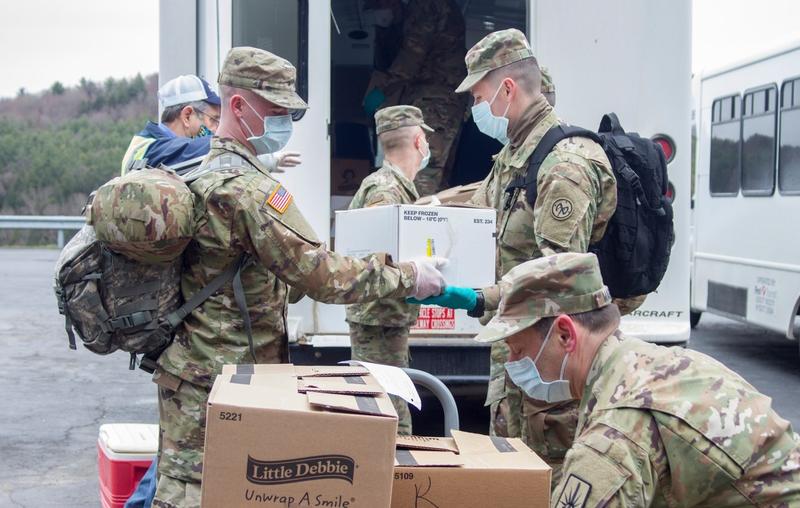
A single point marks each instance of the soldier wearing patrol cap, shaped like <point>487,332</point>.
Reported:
<point>246,216</point>
<point>379,330</point>
<point>419,58</point>
<point>658,426</point>
<point>576,198</point>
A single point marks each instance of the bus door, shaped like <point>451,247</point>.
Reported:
<point>299,33</point>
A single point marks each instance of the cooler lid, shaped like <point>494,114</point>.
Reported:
<point>130,437</point>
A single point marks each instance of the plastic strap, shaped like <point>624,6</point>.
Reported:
<point>70,333</point>
<point>241,302</point>
<point>227,160</point>
<point>130,320</point>
<point>175,317</point>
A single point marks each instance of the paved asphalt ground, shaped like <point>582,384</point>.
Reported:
<point>55,399</point>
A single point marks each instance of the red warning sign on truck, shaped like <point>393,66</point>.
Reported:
<point>435,318</point>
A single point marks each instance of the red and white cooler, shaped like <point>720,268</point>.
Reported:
<point>124,453</point>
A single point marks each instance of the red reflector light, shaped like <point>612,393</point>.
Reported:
<point>670,194</point>
<point>666,144</point>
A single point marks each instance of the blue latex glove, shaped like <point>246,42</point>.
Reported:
<point>453,297</point>
<point>373,101</point>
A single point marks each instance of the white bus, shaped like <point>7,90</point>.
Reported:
<point>746,260</point>
<point>626,56</point>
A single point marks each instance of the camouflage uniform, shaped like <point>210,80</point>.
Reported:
<point>419,64</point>
<point>241,209</point>
<point>657,426</point>
<point>548,88</point>
<point>379,330</point>
<point>672,427</point>
<point>576,198</point>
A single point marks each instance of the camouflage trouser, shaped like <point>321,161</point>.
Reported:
<point>445,115</point>
<point>182,421</point>
<point>548,429</point>
<point>172,493</point>
<point>387,345</point>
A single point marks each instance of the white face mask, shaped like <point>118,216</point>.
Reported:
<point>426,158</point>
<point>493,126</point>
<point>277,131</point>
<point>525,374</point>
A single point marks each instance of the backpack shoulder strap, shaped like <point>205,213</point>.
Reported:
<point>224,161</point>
<point>232,273</point>
<point>551,138</point>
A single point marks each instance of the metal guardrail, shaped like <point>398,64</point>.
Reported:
<point>60,223</point>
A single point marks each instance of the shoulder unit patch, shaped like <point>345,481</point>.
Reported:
<point>575,493</point>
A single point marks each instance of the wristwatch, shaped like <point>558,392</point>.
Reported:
<point>480,305</point>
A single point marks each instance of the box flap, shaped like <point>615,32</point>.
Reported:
<point>492,452</point>
<point>258,392</point>
<point>338,385</point>
<point>361,404</point>
<point>444,444</point>
<point>426,458</point>
<point>330,371</point>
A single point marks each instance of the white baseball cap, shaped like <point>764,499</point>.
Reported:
<point>186,88</point>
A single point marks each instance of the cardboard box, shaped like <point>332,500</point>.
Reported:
<point>468,471</point>
<point>347,174</point>
<point>288,436</point>
<point>459,194</point>
<point>464,235</point>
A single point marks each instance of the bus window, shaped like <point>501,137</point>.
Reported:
<point>789,156</point>
<point>758,142</point>
<point>279,27</point>
<point>725,141</point>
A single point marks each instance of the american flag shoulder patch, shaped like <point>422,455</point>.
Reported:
<point>280,199</point>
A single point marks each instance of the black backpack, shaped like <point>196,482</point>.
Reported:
<point>634,252</point>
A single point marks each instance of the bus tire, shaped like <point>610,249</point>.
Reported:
<point>694,318</point>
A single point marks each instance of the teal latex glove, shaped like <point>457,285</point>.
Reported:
<point>373,101</point>
<point>453,297</point>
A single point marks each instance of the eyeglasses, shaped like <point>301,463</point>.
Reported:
<point>214,119</point>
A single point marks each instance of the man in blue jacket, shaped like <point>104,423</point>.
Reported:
<point>190,112</point>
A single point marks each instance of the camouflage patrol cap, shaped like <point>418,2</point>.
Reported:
<point>547,81</point>
<point>394,117</point>
<point>266,74</point>
<point>567,283</point>
<point>496,50</point>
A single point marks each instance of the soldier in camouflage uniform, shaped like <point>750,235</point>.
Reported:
<point>241,210</point>
<point>658,426</point>
<point>576,198</point>
<point>419,57</point>
<point>379,330</point>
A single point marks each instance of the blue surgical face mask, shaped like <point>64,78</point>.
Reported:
<point>493,126</point>
<point>277,131</point>
<point>425,158</point>
<point>525,374</point>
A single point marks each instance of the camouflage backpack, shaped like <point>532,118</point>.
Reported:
<point>118,279</point>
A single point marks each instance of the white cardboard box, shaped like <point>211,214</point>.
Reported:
<point>464,235</point>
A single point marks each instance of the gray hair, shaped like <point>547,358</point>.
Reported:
<point>170,113</point>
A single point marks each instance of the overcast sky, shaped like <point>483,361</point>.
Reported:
<point>44,41</point>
